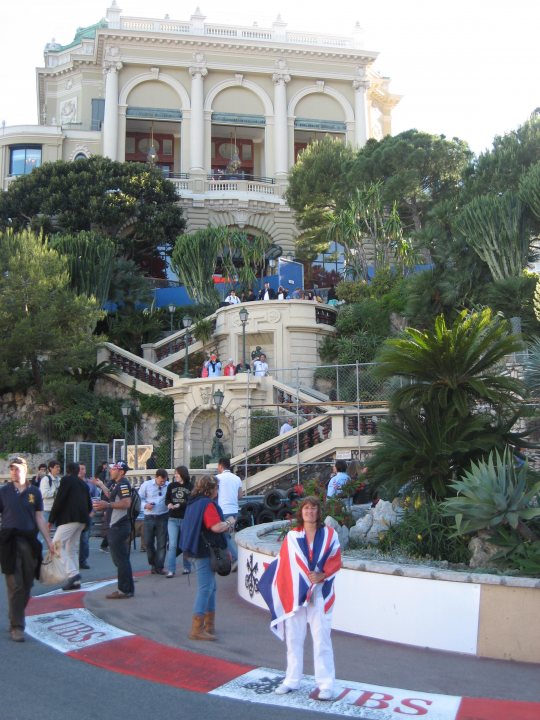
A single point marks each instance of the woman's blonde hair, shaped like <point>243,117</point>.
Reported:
<point>204,485</point>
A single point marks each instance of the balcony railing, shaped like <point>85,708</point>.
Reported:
<point>276,33</point>
<point>250,184</point>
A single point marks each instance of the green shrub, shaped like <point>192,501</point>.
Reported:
<point>425,532</point>
<point>15,437</point>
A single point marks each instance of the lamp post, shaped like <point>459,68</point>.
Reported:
<point>186,322</point>
<point>126,410</point>
<point>172,308</point>
<point>272,263</point>
<point>243,319</point>
<point>217,397</point>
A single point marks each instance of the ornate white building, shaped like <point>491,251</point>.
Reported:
<point>224,110</point>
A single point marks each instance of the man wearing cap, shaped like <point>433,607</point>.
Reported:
<point>119,534</point>
<point>21,508</point>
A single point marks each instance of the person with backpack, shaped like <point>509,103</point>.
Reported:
<point>48,487</point>
<point>119,501</point>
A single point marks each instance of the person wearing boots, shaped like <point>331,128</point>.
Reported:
<point>203,525</point>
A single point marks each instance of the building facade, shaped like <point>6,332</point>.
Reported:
<point>223,110</point>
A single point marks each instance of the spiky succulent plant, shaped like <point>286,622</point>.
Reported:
<point>494,492</point>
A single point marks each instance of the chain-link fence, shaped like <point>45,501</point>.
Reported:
<point>310,405</point>
<point>337,383</point>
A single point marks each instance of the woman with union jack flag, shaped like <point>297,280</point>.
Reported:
<point>298,587</point>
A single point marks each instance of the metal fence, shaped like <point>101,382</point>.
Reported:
<point>90,454</point>
<point>337,383</point>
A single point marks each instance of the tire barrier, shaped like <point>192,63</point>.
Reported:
<point>266,516</point>
<point>275,499</point>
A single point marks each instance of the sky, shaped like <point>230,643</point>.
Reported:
<point>467,69</point>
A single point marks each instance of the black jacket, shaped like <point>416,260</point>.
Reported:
<point>271,293</point>
<point>72,502</point>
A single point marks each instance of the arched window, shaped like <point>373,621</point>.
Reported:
<point>80,156</point>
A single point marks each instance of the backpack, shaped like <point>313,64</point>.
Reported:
<point>133,513</point>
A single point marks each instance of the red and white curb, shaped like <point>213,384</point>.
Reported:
<point>61,621</point>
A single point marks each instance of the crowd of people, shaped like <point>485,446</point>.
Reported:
<point>212,367</point>
<point>178,519</point>
<point>267,293</point>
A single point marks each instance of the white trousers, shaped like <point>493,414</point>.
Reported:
<point>323,655</point>
<point>68,536</point>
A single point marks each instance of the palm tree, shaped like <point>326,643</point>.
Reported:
<point>454,367</point>
<point>456,402</point>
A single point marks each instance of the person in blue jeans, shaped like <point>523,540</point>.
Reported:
<point>176,499</point>
<point>203,524</point>
<point>156,515</point>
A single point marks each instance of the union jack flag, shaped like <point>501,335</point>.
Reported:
<point>285,584</point>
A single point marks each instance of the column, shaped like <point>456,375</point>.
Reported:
<point>361,86</point>
<point>121,154</point>
<point>198,72</point>
<point>280,79</point>
<point>110,120</point>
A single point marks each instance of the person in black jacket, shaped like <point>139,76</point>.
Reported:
<point>21,509</point>
<point>70,513</point>
<point>267,293</point>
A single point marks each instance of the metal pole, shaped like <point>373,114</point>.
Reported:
<point>172,444</point>
<point>186,358</point>
<point>243,347</point>
<point>123,455</point>
<point>136,463</point>
<point>248,423</point>
<point>297,427</point>
<point>358,404</point>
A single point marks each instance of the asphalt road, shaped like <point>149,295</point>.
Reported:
<point>37,682</point>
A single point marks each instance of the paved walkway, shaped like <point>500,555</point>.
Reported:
<point>150,635</point>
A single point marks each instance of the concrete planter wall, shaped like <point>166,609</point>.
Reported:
<point>485,615</point>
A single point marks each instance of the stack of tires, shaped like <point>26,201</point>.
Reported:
<point>275,504</point>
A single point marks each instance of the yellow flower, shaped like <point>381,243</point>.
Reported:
<point>417,502</point>
<point>419,537</point>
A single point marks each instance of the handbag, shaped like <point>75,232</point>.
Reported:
<point>53,571</point>
<point>220,559</point>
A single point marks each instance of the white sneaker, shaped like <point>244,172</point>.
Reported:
<point>325,695</point>
<point>283,689</point>
<point>170,574</point>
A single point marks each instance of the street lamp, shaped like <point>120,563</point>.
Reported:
<point>243,319</point>
<point>272,263</point>
<point>218,397</point>
<point>126,410</point>
<point>172,308</point>
<point>186,322</point>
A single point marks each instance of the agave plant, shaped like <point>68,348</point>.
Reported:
<point>494,493</point>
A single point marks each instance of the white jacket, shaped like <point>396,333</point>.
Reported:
<point>48,488</point>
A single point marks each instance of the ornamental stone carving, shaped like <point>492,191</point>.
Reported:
<point>241,218</point>
<point>273,316</point>
<point>198,68</point>
<point>68,111</point>
<point>361,82</point>
<point>281,73</point>
<point>80,150</point>
<point>206,393</point>
<point>112,61</point>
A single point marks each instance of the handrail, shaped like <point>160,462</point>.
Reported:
<point>139,368</point>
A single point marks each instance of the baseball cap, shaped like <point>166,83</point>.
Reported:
<point>20,461</point>
<point>120,465</point>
